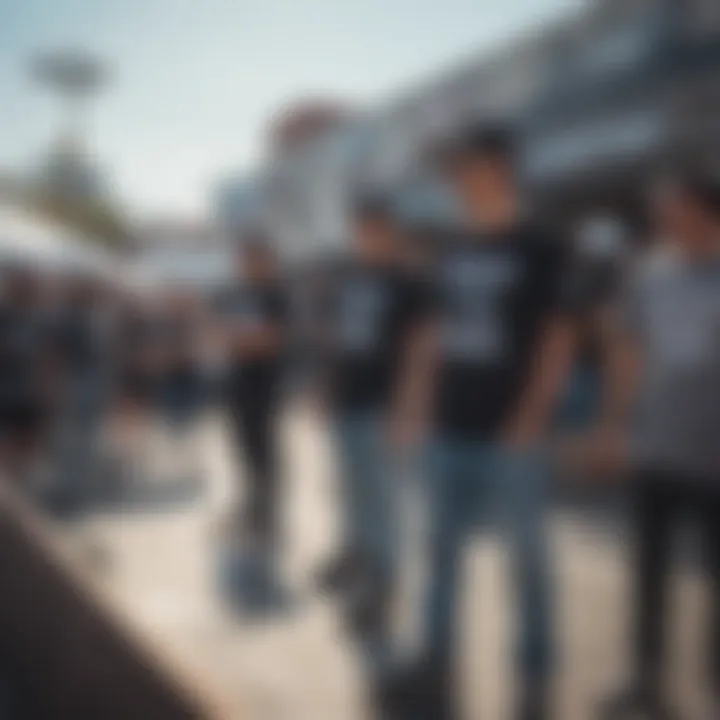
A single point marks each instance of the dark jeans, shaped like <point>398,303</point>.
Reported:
<point>369,491</point>
<point>255,424</point>
<point>581,400</point>
<point>180,396</point>
<point>468,478</point>
<point>661,500</point>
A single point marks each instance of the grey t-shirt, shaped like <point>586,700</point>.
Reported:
<point>673,309</point>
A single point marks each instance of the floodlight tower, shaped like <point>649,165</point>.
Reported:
<point>76,78</point>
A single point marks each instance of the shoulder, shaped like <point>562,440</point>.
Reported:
<point>275,299</point>
<point>408,282</point>
<point>654,268</point>
<point>226,296</point>
<point>602,239</point>
<point>277,292</point>
<point>542,251</point>
<point>541,240</point>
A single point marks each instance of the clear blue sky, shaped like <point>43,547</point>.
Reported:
<point>196,80</point>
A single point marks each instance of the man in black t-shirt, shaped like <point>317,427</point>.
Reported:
<point>255,318</point>
<point>371,309</point>
<point>495,357</point>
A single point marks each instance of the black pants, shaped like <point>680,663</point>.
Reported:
<point>661,502</point>
<point>255,420</point>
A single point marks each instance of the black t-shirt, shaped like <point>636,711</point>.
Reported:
<point>135,337</point>
<point>79,340</point>
<point>175,337</point>
<point>493,297</point>
<point>371,311</point>
<point>248,307</point>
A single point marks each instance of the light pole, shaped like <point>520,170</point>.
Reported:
<point>76,78</point>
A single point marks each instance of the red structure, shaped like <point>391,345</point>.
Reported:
<point>302,122</point>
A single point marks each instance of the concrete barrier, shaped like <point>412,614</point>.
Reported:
<point>63,653</point>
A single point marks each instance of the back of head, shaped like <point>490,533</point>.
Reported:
<point>494,141</point>
<point>696,182</point>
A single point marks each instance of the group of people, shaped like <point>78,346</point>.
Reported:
<point>449,355</point>
<point>454,360</point>
<point>86,366</point>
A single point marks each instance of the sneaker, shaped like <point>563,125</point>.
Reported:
<point>714,713</point>
<point>534,704</point>
<point>232,574</point>
<point>267,596</point>
<point>636,702</point>
<point>368,605</point>
<point>423,691</point>
<point>339,574</point>
<point>382,700</point>
<point>250,584</point>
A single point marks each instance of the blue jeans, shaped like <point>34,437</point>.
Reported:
<point>468,477</point>
<point>580,403</point>
<point>180,399</point>
<point>368,489</point>
<point>370,516</point>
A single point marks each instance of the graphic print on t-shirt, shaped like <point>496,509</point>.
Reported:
<point>245,312</point>
<point>495,295</point>
<point>476,288</point>
<point>371,310</point>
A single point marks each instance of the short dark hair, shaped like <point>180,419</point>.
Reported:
<point>496,139</point>
<point>701,185</point>
<point>373,204</point>
<point>493,140</point>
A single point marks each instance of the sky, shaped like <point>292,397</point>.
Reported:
<point>194,82</point>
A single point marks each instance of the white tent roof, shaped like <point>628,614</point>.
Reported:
<point>22,237</point>
<point>28,239</point>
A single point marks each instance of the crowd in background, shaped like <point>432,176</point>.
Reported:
<point>86,365</point>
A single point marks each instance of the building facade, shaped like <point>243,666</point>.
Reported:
<point>599,98</point>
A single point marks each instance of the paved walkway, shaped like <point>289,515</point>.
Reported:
<point>161,576</point>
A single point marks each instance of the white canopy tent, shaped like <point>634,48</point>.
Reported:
<point>49,247</point>
<point>27,239</point>
<point>24,238</point>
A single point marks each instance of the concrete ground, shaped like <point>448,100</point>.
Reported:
<point>161,576</point>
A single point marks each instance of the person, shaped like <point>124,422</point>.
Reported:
<point>490,366</point>
<point>255,320</point>
<point>601,254</point>
<point>27,373</point>
<point>180,385</point>
<point>81,337</point>
<point>661,418</point>
<point>373,306</point>
<point>133,338</point>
